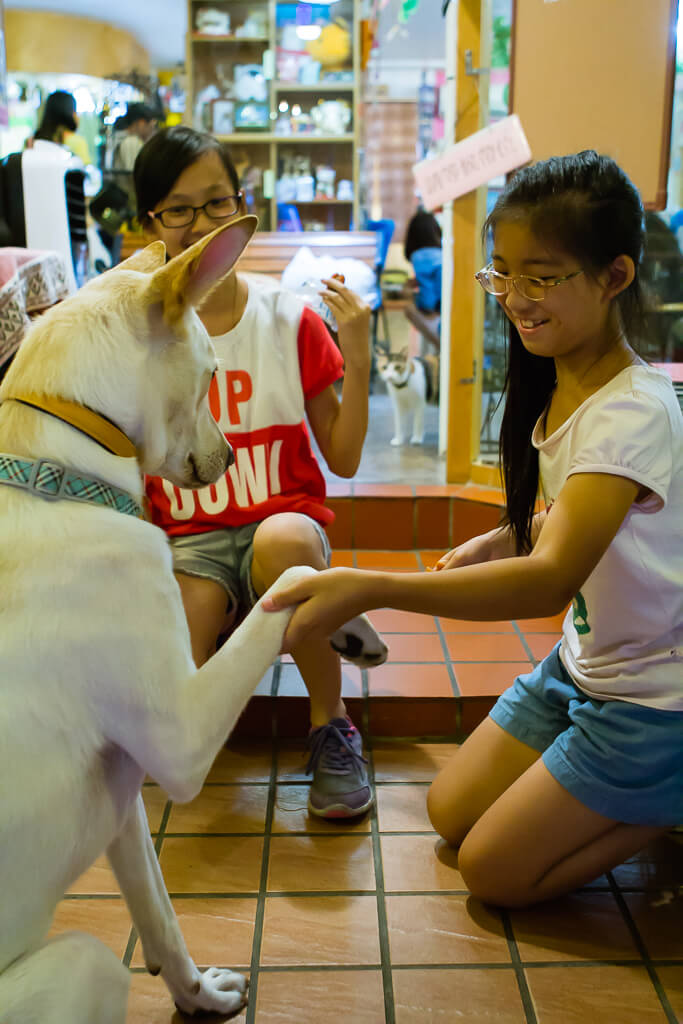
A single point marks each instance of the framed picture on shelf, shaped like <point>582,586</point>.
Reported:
<point>223,117</point>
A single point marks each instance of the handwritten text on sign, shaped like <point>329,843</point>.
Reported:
<point>477,159</point>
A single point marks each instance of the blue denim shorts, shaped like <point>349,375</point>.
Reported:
<point>620,759</point>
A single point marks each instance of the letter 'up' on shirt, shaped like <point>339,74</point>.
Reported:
<point>623,636</point>
<point>278,357</point>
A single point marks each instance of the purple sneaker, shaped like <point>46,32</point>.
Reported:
<point>340,787</point>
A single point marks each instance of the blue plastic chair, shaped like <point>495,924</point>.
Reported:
<point>288,218</point>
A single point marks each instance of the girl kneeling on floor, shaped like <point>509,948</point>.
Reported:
<point>580,763</point>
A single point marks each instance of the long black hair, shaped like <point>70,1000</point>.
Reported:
<point>165,156</point>
<point>585,205</point>
<point>59,112</point>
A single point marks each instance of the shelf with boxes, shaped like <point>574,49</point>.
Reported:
<point>277,80</point>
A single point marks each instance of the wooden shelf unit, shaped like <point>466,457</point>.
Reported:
<point>210,62</point>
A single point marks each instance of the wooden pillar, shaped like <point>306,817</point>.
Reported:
<point>466,318</point>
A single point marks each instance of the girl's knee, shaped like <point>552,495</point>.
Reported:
<point>442,811</point>
<point>288,538</point>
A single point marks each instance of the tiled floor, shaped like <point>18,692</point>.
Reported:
<point>370,922</point>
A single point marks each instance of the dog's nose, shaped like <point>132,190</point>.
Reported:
<point>229,456</point>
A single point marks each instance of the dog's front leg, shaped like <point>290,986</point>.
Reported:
<point>137,871</point>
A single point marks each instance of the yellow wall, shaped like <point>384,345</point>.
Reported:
<point>41,41</point>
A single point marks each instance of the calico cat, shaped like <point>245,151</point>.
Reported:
<point>408,383</point>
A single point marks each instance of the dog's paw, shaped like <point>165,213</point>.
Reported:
<point>359,642</point>
<point>216,990</point>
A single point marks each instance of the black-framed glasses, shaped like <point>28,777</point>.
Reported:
<point>182,216</point>
<point>534,289</point>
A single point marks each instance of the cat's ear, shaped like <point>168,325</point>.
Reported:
<point>404,353</point>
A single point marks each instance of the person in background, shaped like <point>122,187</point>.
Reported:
<point>578,766</point>
<point>59,123</point>
<point>422,248</point>
<point>141,124</point>
<point>276,369</point>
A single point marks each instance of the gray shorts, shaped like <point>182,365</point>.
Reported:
<point>225,556</point>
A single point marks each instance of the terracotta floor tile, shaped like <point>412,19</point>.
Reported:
<point>552,624</point>
<point>208,864</point>
<point>465,626</point>
<point>243,762</point>
<point>420,864</point>
<point>217,932</point>
<point>660,927</point>
<point>410,681</point>
<point>383,490</point>
<point>290,814</point>
<point>107,920</point>
<point>485,647</point>
<point>236,808</point>
<point>151,1003</point>
<point>541,644</point>
<point>414,647</point>
<point>388,560</point>
<point>321,997</point>
<point>485,678</point>
<point>320,863</point>
<point>291,762</point>
<point>155,801</point>
<point>601,995</point>
<point>342,557</point>
<point>388,620</point>
<point>430,557</point>
<point>487,996</point>
<point>452,930</point>
<point>672,980</point>
<point>583,926</point>
<point>411,762</point>
<point>320,931</point>
<point>403,808</point>
<point>657,867</point>
<point>99,878</point>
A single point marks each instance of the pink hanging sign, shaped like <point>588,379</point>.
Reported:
<point>495,150</point>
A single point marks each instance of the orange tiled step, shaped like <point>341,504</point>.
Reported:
<point>406,516</point>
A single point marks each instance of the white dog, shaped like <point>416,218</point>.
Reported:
<point>98,682</point>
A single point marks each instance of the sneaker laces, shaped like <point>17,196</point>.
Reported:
<point>330,745</point>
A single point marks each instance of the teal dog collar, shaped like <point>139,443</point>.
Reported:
<point>53,481</point>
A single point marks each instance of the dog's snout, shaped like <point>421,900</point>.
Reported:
<point>229,456</point>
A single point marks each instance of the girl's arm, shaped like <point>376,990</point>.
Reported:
<point>580,527</point>
<point>340,428</point>
<point>488,547</point>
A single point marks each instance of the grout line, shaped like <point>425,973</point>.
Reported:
<point>250,1013</point>
<point>133,936</point>
<point>525,645</point>
<point>522,983</point>
<point>383,927</point>
<point>444,647</point>
<point>671,1017</point>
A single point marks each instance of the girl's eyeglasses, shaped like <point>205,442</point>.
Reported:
<point>532,288</point>
<point>182,216</point>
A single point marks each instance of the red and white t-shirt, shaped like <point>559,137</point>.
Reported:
<point>270,364</point>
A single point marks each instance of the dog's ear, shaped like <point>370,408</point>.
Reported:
<point>147,260</point>
<point>188,279</point>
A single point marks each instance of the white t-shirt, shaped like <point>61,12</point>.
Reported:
<point>623,637</point>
